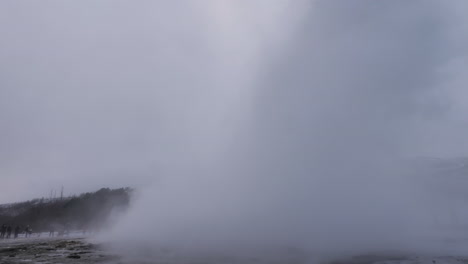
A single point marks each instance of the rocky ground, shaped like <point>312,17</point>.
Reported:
<point>52,250</point>
<point>47,250</point>
<point>403,260</point>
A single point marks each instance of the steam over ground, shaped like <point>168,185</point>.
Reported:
<point>247,125</point>
<point>297,133</point>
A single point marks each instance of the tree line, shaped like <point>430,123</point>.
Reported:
<point>90,211</point>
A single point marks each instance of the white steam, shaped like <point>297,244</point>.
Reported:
<point>296,116</point>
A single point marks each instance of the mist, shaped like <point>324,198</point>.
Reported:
<point>245,125</point>
<point>313,154</point>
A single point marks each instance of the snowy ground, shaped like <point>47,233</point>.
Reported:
<point>77,249</point>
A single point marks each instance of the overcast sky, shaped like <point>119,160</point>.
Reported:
<point>93,93</point>
<point>79,94</point>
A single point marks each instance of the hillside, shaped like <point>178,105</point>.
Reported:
<point>89,211</point>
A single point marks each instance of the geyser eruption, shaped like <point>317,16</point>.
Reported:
<point>285,124</point>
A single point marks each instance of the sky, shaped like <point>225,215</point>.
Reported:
<point>92,92</point>
<point>80,96</point>
<point>227,113</point>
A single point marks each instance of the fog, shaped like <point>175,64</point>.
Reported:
<point>244,125</point>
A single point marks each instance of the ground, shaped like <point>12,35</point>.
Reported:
<point>52,250</point>
<point>75,249</point>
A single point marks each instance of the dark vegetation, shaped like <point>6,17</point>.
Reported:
<point>88,211</point>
